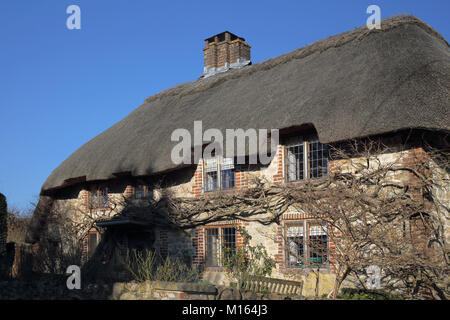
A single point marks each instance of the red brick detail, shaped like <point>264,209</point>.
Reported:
<point>198,180</point>
<point>129,191</point>
<point>241,180</point>
<point>333,167</point>
<point>279,240</point>
<point>278,176</point>
<point>84,195</point>
<point>198,244</point>
<point>84,244</point>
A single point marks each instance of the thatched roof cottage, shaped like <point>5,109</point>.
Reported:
<point>392,83</point>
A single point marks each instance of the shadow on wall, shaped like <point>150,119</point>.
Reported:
<point>17,261</point>
<point>109,261</point>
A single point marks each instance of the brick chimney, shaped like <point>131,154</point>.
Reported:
<point>225,51</point>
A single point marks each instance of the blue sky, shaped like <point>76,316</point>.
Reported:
<point>59,88</point>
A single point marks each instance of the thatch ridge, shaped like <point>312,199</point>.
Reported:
<point>317,46</point>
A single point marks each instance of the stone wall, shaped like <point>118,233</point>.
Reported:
<point>161,290</point>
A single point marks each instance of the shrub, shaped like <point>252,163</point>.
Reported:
<point>175,270</point>
<point>363,294</point>
<point>145,265</point>
<point>141,264</point>
<point>246,260</point>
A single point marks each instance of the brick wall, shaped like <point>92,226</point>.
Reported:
<point>239,49</point>
<point>278,177</point>
<point>85,254</point>
<point>197,185</point>
<point>199,246</point>
<point>241,179</point>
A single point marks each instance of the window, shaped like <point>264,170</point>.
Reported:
<point>139,192</point>
<point>318,159</point>
<point>306,244</point>
<point>219,241</point>
<point>99,198</point>
<point>143,192</point>
<point>92,243</point>
<point>306,159</point>
<point>227,173</point>
<point>295,163</point>
<point>223,181</point>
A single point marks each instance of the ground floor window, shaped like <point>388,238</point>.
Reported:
<point>93,240</point>
<point>306,244</point>
<point>219,241</point>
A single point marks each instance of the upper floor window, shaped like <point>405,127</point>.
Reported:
<point>99,198</point>
<point>306,160</point>
<point>142,192</point>
<point>306,243</point>
<point>219,174</point>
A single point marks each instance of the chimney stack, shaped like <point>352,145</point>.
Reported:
<point>225,51</point>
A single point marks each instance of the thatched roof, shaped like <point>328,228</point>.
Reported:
<point>358,83</point>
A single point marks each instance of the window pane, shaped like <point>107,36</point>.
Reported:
<point>229,237</point>
<point>211,165</point>
<point>318,243</point>
<point>318,159</point>
<point>211,181</point>
<point>104,198</point>
<point>227,173</point>
<point>227,163</point>
<point>212,246</point>
<point>228,242</point>
<point>94,199</point>
<point>211,174</point>
<point>295,244</point>
<point>139,192</point>
<point>228,179</point>
<point>149,193</point>
<point>295,163</point>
